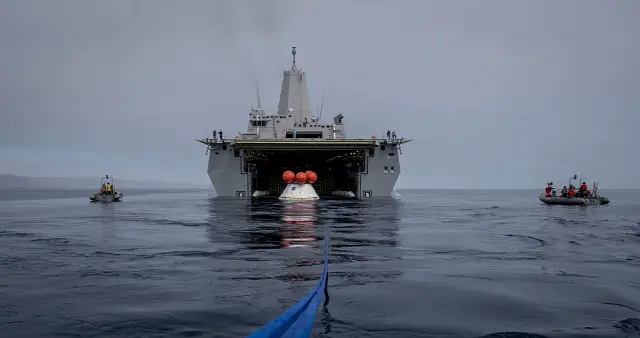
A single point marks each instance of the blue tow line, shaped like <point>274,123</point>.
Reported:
<point>298,320</point>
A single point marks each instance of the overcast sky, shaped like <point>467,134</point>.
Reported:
<point>505,94</point>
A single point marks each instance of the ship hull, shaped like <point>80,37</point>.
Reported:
<point>294,139</point>
<point>226,172</point>
<point>231,174</point>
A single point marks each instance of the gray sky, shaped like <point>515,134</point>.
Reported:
<point>506,94</point>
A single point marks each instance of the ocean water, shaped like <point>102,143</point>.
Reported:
<point>425,264</point>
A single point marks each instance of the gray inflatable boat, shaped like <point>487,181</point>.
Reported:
<point>573,200</point>
<point>106,195</point>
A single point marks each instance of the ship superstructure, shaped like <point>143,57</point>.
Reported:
<point>252,163</point>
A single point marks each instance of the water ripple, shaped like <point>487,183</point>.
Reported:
<point>432,264</point>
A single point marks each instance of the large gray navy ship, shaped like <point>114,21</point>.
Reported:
<point>251,164</point>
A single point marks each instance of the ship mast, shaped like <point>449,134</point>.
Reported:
<point>294,95</point>
<point>293,51</point>
<point>258,95</point>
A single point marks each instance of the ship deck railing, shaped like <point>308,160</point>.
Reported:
<point>302,143</point>
<point>397,141</point>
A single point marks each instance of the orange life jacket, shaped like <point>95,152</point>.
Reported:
<point>572,192</point>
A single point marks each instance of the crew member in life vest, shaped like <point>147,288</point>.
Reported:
<point>584,190</point>
<point>550,190</point>
<point>564,191</point>
<point>572,191</point>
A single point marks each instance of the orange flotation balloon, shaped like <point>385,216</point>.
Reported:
<point>301,178</point>
<point>311,176</point>
<point>288,176</point>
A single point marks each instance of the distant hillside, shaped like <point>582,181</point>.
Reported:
<point>8,181</point>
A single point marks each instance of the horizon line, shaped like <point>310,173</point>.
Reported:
<point>209,189</point>
<point>209,184</point>
<point>92,177</point>
<point>542,189</point>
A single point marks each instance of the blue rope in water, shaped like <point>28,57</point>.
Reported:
<point>298,320</point>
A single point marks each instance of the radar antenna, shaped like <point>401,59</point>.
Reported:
<point>293,51</point>
<point>258,94</point>
<point>321,105</point>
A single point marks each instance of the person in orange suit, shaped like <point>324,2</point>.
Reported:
<point>584,190</point>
